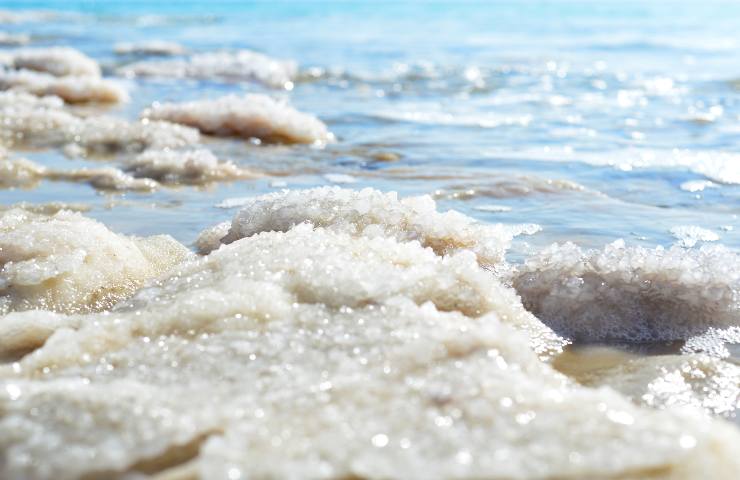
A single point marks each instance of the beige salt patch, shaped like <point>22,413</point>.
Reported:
<point>239,66</point>
<point>43,122</point>
<point>57,61</point>
<point>14,39</point>
<point>68,263</point>
<point>250,116</point>
<point>371,213</point>
<point>193,167</point>
<point>632,294</point>
<point>317,354</point>
<point>152,47</point>
<point>72,89</point>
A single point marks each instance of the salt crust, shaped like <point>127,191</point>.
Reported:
<point>58,61</point>
<point>72,89</point>
<point>249,116</point>
<point>43,122</point>
<point>13,39</point>
<point>197,167</point>
<point>632,294</point>
<point>153,47</point>
<point>242,65</point>
<point>68,263</point>
<point>315,354</point>
<point>372,213</point>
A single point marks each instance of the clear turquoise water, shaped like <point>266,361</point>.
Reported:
<point>469,95</point>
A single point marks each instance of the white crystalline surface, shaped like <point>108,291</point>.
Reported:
<point>249,116</point>
<point>317,354</point>
<point>632,294</point>
<point>58,61</point>
<point>152,47</point>
<point>68,263</point>
<point>11,39</point>
<point>690,235</point>
<point>43,122</point>
<point>72,89</point>
<point>198,166</point>
<point>242,65</point>
<point>371,213</point>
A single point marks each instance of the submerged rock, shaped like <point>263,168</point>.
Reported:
<point>250,116</point>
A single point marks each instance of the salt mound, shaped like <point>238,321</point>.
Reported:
<point>250,116</point>
<point>72,89</point>
<point>373,213</point>
<point>632,294</point>
<point>190,167</point>
<point>42,122</point>
<point>242,65</point>
<point>58,61</point>
<point>315,354</point>
<point>153,47</point>
<point>11,39</point>
<point>68,263</point>
<point>689,235</point>
<point>15,173</point>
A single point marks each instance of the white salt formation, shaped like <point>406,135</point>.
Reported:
<point>153,47</point>
<point>689,235</point>
<point>249,116</point>
<point>632,294</point>
<point>58,61</point>
<point>19,172</point>
<point>239,66</point>
<point>72,89</point>
<point>317,354</point>
<point>197,167</point>
<point>11,39</point>
<point>68,263</point>
<point>43,122</point>
<point>373,213</point>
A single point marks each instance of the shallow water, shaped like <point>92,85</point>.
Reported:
<point>597,121</point>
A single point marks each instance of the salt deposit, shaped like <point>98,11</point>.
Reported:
<point>373,213</point>
<point>188,166</point>
<point>19,172</point>
<point>71,89</point>
<point>314,353</point>
<point>632,294</point>
<point>68,263</point>
<point>690,235</point>
<point>239,66</point>
<point>58,61</point>
<point>250,116</point>
<point>10,39</point>
<point>153,47</point>
<point>42,122</point>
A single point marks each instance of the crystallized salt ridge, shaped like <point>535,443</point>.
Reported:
<point>72,89</point>
<point>68,263</point>
<point>198,166</point>
<point>242,65</point>
<point>632,294</point>
<point>153,47</point>
<point>316,354</point>
<point>369,212</point>
<point>250,116</point>
<point>58,61</point>
<point>690,235</point>
<point>43,122</point>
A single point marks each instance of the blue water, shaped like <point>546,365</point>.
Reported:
<point>496,97</point>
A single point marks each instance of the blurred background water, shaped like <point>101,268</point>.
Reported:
<point>595,120</point>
